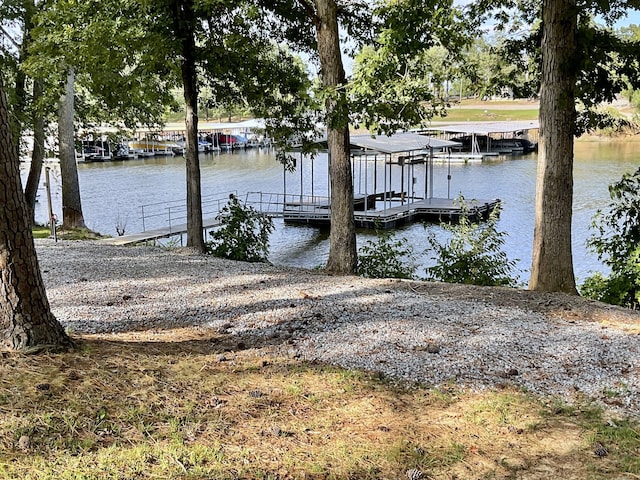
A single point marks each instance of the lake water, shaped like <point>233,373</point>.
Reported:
<point>113,192</point>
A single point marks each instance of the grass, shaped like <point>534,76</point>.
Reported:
<point>461,114</point>
<point>189,406</point>
<point>41,231</point>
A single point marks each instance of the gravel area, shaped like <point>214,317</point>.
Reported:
<point>434,334</point>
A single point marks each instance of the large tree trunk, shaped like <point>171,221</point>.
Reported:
<point>26,320</point>
<point>71,205</point>
<point>343,258</point>
<point>552,265</point>
<point>184,23</point>
<point>37,156</point>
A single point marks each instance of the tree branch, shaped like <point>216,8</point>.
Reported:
<point>6,34</point>
<point>310,11</point>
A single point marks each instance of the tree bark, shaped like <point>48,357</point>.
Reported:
<point>552,264</point>
<point>26,321</point>
<point>71,205</point>
<point>37,156</point>
<point>343,257</point>
<point>19,111</point>
<point>184,24</point>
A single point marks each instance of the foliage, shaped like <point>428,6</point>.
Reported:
<point>614,289</point>
<point>386,257</point>
<point>616,242</point>
<point>392,84</point>
<point>606,62</point>
<point>128,64</point>
<point>243,233</point>
<point>122,73</point>
<point>473,252</point>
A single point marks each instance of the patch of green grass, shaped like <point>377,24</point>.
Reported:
<point>41,231</point>
<point>78,234</point>
<point>461,114</point>
<point>621,438</point>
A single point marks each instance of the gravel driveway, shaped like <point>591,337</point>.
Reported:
<point>423,332</point>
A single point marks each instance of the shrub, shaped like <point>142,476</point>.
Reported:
<point>386,257</point>
<point>616,242</point>
<point>243,233</point>
<point>472,253</point>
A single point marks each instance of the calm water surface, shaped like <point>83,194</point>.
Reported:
<point>113,192</point>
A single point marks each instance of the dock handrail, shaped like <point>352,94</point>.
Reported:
<point>172,212</point>
<point>277,204</point>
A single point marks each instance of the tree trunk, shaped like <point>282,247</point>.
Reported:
<point>71,205</point>
<point>184,24</point>
<point>343,257</point>
<point>552,265</point>
<point>26,320</point>
<point>37,156</point>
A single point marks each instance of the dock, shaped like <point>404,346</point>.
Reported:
<point>316,212</point>
<point>155,234</point>
<point>427,210</point>
<point>393,186</point>
<point>487,139</point>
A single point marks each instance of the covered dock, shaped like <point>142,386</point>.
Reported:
<point>393,184</point>
<point>490,138</point>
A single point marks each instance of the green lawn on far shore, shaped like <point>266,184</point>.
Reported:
<point>456,114</point>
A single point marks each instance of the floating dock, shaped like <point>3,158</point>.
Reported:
<point>487,139</point>
<point>427,210</point>
<point>317,212</point>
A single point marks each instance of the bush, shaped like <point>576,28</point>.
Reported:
<point>386,257</point>
<point>616,242</point>
<point>473,252</point>
<point>243,233</point>
<point>615,289</point>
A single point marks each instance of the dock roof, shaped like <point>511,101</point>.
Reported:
<point>485,128</point>
<point>252,124</point>
<point>400,143</point>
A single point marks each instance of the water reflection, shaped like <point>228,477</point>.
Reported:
<point>113,192</point>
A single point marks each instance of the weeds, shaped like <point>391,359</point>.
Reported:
<point>473,252</point>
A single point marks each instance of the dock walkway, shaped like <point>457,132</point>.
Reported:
<point>155,234</point>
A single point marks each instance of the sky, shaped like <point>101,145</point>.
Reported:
<point>633,18</point>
